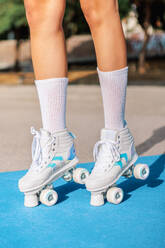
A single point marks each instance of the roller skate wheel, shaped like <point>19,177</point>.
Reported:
<point>115,195</point>
<point>80,175</point>
<point>141,171</point>
<point>68,176</point>
<point>30,200</point>
<point>48,197</point>
<point>97,199</point>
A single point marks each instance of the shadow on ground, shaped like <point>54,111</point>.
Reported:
<point>153,180</point>
<point>128,185</point>
<point>157,137</point>
<point>65,189</point>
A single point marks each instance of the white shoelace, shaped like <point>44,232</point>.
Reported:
<point>37,154</point>
<point>108,155</point>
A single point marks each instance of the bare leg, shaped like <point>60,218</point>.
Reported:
<point>104,22</point>
<point>47,37</point>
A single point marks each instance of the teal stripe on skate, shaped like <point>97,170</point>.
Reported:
<point>52,165</point>
<point>58,158</point>
<point>119,163</point>
<point>123,155</point>
<point>72,153</point>
<point>72,135</point>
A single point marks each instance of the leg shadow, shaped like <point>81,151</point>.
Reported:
<point>65,189</point>
<point>157,137</point>
<point>152,181</point>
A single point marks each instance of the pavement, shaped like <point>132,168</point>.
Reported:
<point>19,110</point>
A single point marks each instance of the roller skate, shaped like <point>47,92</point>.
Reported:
<point>114,157</point>
<point>53,156</point>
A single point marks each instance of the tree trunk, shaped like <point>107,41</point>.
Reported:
<point>17,64</point>
<point>18,40</point>
<point>142,55</point>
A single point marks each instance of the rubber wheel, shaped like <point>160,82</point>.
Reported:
<point>80,175</point>
<point>115,195</point>
<point>48,197</point>
<point>141,171</point>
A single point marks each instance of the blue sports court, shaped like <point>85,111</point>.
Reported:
<point>138,222</point>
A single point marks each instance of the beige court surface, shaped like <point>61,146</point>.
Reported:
<point>19,110</point>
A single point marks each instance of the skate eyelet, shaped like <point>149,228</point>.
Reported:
<point>53,149</point>
<point>54,144</point>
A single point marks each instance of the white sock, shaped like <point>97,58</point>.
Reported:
<point>52,97</point>
<point>113,87</point>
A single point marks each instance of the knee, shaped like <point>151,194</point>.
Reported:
<point>34,13</point>
<point>96,11</point>
<point>43,14</point>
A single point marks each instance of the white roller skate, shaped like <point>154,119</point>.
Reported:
<point>53,157</point>
<point>115,156</point>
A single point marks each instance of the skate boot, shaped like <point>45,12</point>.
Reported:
<point>114,157</point>
<point>53,156</point>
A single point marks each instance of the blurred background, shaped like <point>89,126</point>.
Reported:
<point>144,27</point>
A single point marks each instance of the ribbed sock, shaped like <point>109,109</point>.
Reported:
<point>52,96</point>
<point>113,87</point>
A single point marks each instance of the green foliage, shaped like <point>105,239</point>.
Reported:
<point>74,21</point>
<point>124,7</point>
<point>151,11</point>
<point>12,15</point>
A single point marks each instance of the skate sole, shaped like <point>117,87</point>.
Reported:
<point>104,188</point>
<point>54,177</point>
